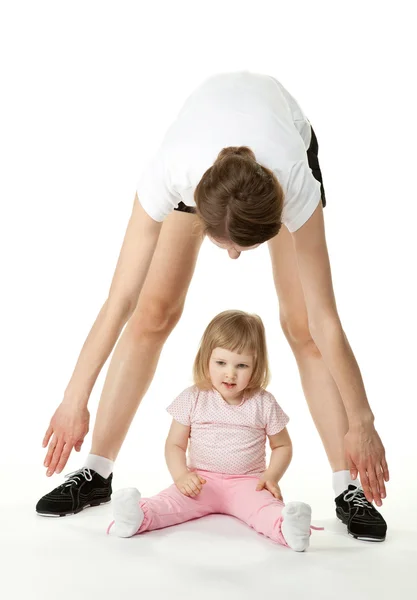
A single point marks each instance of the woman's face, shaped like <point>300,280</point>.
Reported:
<point>233,249</point>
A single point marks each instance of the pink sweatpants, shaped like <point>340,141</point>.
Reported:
<point>233,495</point>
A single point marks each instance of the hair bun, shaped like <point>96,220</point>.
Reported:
<point>236,151</point>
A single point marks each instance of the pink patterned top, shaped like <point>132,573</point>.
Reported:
<point>226,438</point>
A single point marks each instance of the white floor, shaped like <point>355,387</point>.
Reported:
<point>215,557</point>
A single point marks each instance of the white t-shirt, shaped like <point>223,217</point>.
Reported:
<point>233,109</point>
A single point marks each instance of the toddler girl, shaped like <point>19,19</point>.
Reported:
<point>224,420</point>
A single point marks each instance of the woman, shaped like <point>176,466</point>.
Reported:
<point>240,160</point>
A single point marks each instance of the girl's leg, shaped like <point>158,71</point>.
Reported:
<point>322,395</point>
<point>287,525</point>
<point>136,355</point>
<point>133,515</point>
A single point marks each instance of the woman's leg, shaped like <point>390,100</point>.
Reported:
<point>136,355</point>
<point>322,395</point>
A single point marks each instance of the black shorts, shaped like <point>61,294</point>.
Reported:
<point>313,163</point>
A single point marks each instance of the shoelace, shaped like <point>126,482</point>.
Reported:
<point>110,526</point>
<point>357,497</point>
<point>75,476</point>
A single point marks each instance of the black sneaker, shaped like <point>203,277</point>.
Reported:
<point>362,518</point>
<point>81,489</point>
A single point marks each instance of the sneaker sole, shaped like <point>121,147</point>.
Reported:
<point>74,512</point>
<point>366,539</point>
<point>344,520</point>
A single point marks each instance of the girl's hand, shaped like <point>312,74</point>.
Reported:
<point>190,484</point>
<point>265,482</point>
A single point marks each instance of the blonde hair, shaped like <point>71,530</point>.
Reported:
<point>236,331</point>
<point>238,199</point>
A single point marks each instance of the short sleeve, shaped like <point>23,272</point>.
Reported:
<point>302,196</point>
<point>182,407</point>
<point>276,418</point>
<point>153,190</point>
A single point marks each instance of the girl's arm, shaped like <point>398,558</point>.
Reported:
<point>281,455</point>
<point>176,449</point>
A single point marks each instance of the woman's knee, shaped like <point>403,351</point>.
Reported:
<point>297,331</point>
<point>155,317</point>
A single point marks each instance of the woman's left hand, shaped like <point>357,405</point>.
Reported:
<point>265,482</point>
<point>366,455</point>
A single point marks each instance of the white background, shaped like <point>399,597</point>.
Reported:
<point>88,90</point>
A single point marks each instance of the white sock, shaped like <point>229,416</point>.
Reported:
<point>295,526</point>
<point>341,481</point>
<point>103,466</point>
<point>127,513</point>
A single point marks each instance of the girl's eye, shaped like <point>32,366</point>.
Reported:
<point>243,366</point>
<point>220,362</point>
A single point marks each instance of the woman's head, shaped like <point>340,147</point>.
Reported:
<point>232,333</point>
<point>239,200</point>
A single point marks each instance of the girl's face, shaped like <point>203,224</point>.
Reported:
<point>230,373</point>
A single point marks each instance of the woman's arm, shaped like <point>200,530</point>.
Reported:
<point>324,323</point>
<point>132,266</point>
<point>69,424</point>
<point>365,451</point>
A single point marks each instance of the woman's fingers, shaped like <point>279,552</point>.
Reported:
<point>78,445</point>
<point>373,484</point>
<point>55,457</point>
<point>47,437</point>
<point>381,484</point>
<point>352,467</point>
<point>385,469</point>
<point>365,484</point>
<point>64,457</point>
<point>51,449</point>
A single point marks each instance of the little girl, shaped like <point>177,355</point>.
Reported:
<point>223,420</point>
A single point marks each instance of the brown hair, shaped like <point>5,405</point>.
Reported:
<point>236,331</point>
<point>238,199</point>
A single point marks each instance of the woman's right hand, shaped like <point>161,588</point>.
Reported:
<point>67,430</point>
<point>190,484</point>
